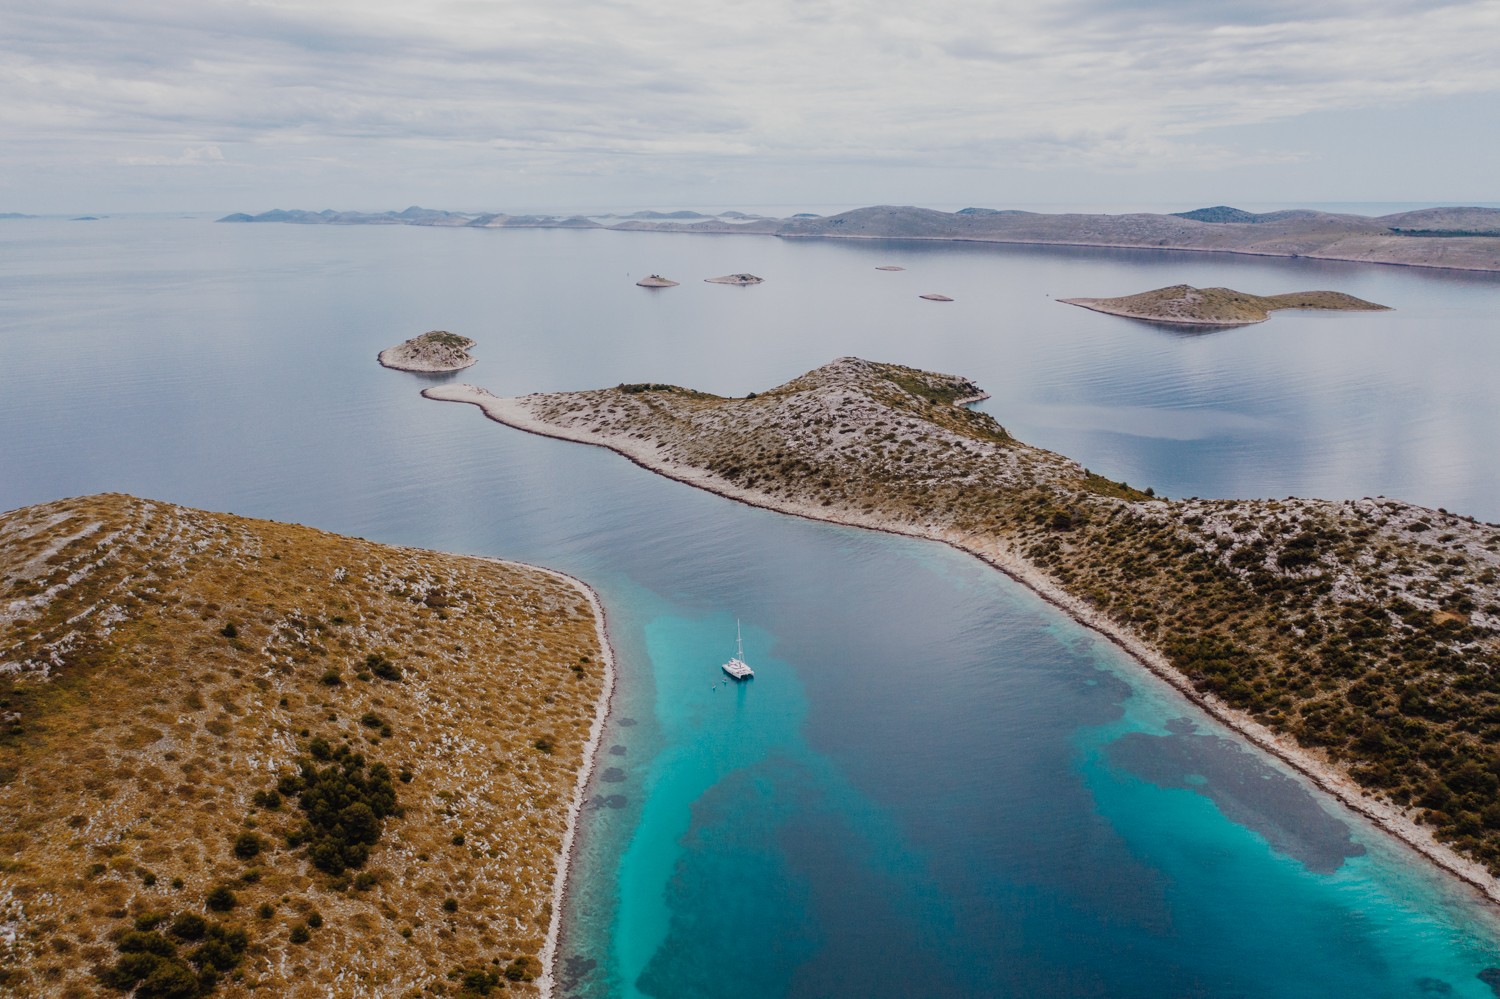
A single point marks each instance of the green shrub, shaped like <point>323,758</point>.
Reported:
<point>247,845</point>
<point>519,970</point>
<point>151,965</point>
<point>479,981</point>
<point>221,899</point>
<point>383,667</point>
<point>344,806</point>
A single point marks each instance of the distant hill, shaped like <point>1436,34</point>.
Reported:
<point>1218,213</point>
<point>1445,218</point>
<point>1459,238</point>
<point>1185,305</point>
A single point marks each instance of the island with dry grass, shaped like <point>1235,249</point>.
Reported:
<point>1185,305</point>
<point>1357,640</point>
<point>656,281</point>
<point>736,279</point>
<point>240,756</point>
<point>431,352</point>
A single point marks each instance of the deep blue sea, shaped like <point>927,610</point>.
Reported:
<point>936,785</point>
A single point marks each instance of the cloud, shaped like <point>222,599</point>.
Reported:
<point>578,85</point>
<point>191,156</point>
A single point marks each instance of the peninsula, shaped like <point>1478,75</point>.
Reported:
<point>1463,238</point>
<point>431,352</point>
<point>1188,306</point>
<point>240,756</point>
<point>1357,640</point>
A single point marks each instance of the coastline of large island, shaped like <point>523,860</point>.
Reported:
<point>1357,640</point>
<point>182,695</point>
<point>1458,238</point>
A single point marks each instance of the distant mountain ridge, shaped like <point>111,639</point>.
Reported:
<point>1452,237</point>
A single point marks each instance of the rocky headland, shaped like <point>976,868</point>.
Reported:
<point>241,757</point>
<point>1185,305</point>
<point>431,352</point>
<point>1359,640</point>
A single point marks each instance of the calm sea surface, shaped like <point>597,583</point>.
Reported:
<point>936,785</point>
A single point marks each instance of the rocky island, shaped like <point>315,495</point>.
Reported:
<point>431,352</point>
<point>739,279</point>
<point>242,757</point>
<point>1357,640</point>
<point>656,281</point>
<point>1188,306</point>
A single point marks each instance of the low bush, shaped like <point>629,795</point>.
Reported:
<point>344,805</point>
<point>221,899</point>
<point>383,667</point>
<point>247,845</point>
<point>152,963</point>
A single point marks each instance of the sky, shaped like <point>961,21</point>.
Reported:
<point>246,105</point>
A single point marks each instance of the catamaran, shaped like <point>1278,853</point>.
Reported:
<point>737,668</point>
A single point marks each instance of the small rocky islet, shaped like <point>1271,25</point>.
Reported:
<point>1184,305</point>
<point>431,352</point>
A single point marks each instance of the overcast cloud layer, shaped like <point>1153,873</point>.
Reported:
<point>464,103</point>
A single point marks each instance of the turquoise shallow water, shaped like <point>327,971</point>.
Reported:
<point>898,811</point>
<point>936,785</point>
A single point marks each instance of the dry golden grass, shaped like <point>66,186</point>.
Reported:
<point>135,734</point>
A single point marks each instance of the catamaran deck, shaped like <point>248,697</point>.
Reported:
<point>738,669</point>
